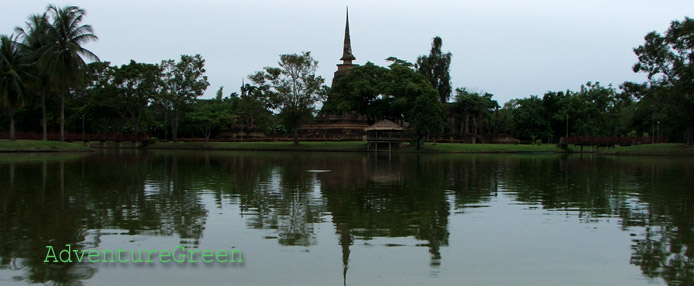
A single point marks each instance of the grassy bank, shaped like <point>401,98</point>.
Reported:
<point>41,146</point>
<point>354,146</point>
<point>349,146</point>
<point>483,148</point>
<point>671,149</point>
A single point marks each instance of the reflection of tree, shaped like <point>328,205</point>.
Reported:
<point>666,249</point>
<point>58,202</point>
<point>273,190</point>
<point>279,196</point>
<point>653,194</point>
<point>401,197</point>
<point>388,197</point>
<point>32,217</point>
<point>474,180</point>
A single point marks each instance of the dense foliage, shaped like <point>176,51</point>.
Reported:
<point>435,67</point>
<point>292,89</point>
<point>46,86</point>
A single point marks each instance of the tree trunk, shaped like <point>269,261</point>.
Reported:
<point>296,136</point>
<point>62,116</point>
<point>207,133</point>
<point>174,132</point>
<point>174,128</point>
<point>10,109</point>
<point>467,123</point>
<point>44,135</point>
<point>496,120</point>
<point>136,122</point>
<point>480,125</point>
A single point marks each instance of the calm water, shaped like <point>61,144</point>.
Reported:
<point>360,220</point>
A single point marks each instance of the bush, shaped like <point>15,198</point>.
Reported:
<point>516,141</point>
<point>538,142</point>
<point>153,140</point>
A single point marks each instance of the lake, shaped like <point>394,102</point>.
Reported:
<point>297,218</point>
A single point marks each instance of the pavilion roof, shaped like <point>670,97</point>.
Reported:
<point>384,125</point>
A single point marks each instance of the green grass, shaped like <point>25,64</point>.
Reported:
<point>40,146</point>
<point>264,146</point>
<point>38,157</point>
<point>483,148</point>
<point>355,146</point>
<point>671,149</point>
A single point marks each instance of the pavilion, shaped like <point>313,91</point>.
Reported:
<point>384,132</point>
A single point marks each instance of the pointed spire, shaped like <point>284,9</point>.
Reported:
<point>347,56</point>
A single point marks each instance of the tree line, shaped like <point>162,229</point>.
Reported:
<point>661,106</point>
<point>45,84</point>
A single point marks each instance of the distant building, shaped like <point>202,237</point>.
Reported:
<point>345,126</point>
<point>347,56</point>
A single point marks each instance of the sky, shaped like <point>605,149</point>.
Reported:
<point>509,48</point>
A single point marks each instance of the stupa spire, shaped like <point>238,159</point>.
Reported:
<point>347,56</point>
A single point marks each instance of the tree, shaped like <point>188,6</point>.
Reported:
<point>404,86</point>
<point>505,115</point>
<point>252,108</point>
<point>61,57</point>
<point>134,86</point>
<point>100,106</point>
<point>477,111</point>
<point>428,117</point>
<point>669,62</point>
<point>383,93</point>
<point>208,116</point>
<point>35,39</point>
<point>182,83</point>
<point>466,105</point>
<point>398,61</point>
<point>529,120</point>
<point>11,78</point>
<point>292,89</point>
<point>364,90</point>
<point>220,93</point>
<point>435,67</point>
<point>594,110</point>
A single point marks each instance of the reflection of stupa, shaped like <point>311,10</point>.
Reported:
<point>345,242</point>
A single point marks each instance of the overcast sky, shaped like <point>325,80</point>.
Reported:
<point>510,48</point>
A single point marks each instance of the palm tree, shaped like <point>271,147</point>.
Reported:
<point>61,58</point>
<point>34,39</point>
<point>11,82</point>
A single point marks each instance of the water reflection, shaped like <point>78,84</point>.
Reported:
<point>79,199</point>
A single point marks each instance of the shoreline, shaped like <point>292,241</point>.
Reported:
<point>37,146</point>
<point>40,146</point>
<point>354,146</point>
